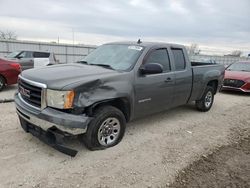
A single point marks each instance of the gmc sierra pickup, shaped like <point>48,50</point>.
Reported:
<point>118,82</point>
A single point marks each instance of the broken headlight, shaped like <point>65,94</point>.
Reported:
<point>60,99</point>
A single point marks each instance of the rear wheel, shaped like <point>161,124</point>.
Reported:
<point>206,102</point>
<point>106,129</point>
<point>2,83</point>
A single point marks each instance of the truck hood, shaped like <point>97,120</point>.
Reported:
<point>60,76</point>
<point>238,75</point>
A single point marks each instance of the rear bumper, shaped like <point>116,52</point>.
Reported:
<point>48,118</point>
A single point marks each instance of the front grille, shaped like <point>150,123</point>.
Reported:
<point>233,83</point>
<point>30,93</point>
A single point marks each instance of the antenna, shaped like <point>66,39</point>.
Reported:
<point>139,41</point>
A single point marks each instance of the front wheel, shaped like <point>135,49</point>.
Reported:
<point>206,102</point>
<point>106,129</point>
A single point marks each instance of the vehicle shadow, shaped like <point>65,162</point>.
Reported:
<point>137,126</point>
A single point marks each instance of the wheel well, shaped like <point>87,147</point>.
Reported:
<point>214,84</point>
<point>120,103</point>
<point>3,78</point>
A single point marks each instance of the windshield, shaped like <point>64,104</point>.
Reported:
<point>13,54</point>
<point>115,56</point>
<point>241,66</point>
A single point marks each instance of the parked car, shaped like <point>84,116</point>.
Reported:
<point>237,77</point>
<point>32,59</point>
<point>9,72</point>
<point>116,83</point>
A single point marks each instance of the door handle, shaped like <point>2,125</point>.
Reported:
<point>168,79</point>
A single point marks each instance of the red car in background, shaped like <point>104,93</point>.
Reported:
<point>9,72</point>
<point>237,77</point>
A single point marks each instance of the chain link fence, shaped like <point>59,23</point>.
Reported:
<point>67,53</point>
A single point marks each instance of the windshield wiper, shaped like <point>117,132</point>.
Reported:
<point>244,70</point>
<point>83,62</point>
<point>103,65</point>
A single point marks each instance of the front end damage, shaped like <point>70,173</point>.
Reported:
<point>51,126</point>
<point>52,137</point>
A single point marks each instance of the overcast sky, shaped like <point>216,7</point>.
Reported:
<point>211,23</point>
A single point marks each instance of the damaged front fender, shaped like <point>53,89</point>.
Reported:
<point>104,89</point>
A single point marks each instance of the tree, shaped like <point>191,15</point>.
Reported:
<point>236,53</point>
<point>8,35</point>
<point>193,49</point>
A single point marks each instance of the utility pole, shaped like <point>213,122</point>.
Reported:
<point>73,38</point>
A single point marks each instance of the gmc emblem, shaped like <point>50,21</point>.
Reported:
<point>24,91</point>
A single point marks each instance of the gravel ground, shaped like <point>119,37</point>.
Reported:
<point>154,150</point>
<point>8,92</point>
<point>227,166</point>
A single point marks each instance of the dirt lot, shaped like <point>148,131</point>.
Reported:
<point>153,152</point>
<point>228,166</point>
<point>8,93</point>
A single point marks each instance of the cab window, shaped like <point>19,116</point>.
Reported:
<point>160,56</point>
<point>179,60</point>
<point>25,54</point>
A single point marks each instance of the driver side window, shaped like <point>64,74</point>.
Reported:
<point>161,57</point>
<point>25,54</point>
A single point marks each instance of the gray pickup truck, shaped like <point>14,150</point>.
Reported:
<point>118,82</point>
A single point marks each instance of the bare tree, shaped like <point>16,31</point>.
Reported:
<point>8,35</point>
<point>236,53</point>
<point>193,49</point>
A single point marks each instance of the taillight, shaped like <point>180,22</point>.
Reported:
<point>16,66</point>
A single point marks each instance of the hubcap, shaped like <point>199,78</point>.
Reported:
<point>208,99</point>
<point>109,131</point>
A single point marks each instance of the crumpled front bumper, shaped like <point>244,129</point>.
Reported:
<point>49,117</point>
<point>51,126</point>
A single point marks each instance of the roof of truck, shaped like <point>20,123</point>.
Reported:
<point>148,44</point>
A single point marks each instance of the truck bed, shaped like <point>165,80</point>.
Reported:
<point>201,72</point>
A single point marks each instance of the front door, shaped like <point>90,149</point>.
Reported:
<point>26,60</point>
<point>154,92</point>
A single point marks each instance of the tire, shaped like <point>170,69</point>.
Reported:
<point>2,83</point>
<point>106,129</point>
<point>206,102</point>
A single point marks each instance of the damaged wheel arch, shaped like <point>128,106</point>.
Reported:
<point>123,104</point>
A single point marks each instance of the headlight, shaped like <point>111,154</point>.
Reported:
<point>60,99</point>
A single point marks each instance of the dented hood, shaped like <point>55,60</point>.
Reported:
<point>61,76</point>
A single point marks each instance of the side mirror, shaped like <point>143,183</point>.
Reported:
<point>151,68</point>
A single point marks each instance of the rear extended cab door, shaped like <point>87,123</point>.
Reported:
<point>183,75</point>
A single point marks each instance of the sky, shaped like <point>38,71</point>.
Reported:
<point>215,25</point>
